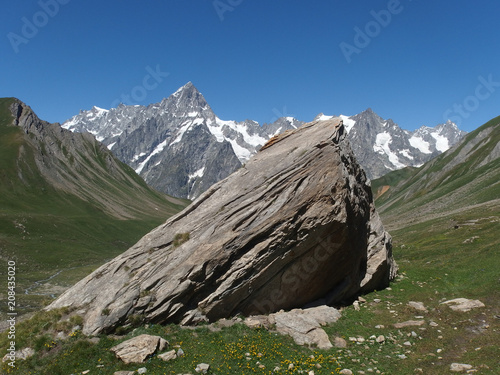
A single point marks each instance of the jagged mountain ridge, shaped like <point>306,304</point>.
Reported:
<point>381,146</point>
<point>180,147</point>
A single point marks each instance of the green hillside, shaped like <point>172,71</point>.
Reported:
<point>66,205</point>
<point>463,177</point>
<point>445,218</point>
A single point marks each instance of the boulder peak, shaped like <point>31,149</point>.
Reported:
<point>296,226</point>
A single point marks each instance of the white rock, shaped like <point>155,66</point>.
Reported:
<point>202,367</point>
<point>380,339</point>
<point>168,356</point>
<point>417,305</point>
<point>460,367</point>
<point>463,304</point>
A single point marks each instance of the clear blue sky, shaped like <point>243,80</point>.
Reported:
<point>417,62</point>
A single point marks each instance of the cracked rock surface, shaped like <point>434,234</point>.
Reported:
<point>295,225</point>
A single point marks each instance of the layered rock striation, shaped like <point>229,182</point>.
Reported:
<point>295,226</point>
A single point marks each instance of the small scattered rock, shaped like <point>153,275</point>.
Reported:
<point>471,240</point>
<point>356,305</point>
<point>460,367</point>
<point>417,306</point>
<point>180,352</point>
<point>124,373</point>
<point>339,342</point>
<point>257,321</point>
<point>225,323</point>
<point>463,304</point>
<point>380,339</point>
<point>142,370</point>
<point>345,372</point>
<point>203,368</point>
<point>94,340</point>
<point>20,354</point>
<point>409,323</point>
<point>168,356</point>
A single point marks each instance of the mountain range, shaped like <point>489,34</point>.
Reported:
<point>180,147</point>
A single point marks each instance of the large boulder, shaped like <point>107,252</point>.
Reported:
<point>294,226</point>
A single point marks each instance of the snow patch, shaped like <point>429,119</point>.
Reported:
<point>185,127</point>
<point>406,153</point>
<point>70,123</point>
<point>324,117</point>
<point>198,173</point>
<point>441,142</point>
<point>277,132</point>
<point>241,152</point>
<point>157,150</point>
<point>348,123</point>
<point>420,144</point>
<point>137,157</point>
<point>381,146</point>
<point>254,140</point>
<point>110,146</point>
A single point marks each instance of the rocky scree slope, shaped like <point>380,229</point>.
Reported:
<point>180,147</point>
<point>295,226</point>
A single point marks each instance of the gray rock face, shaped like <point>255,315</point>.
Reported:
<point>295,226</point>
<point>382,146</point>
<point>179,146</point>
